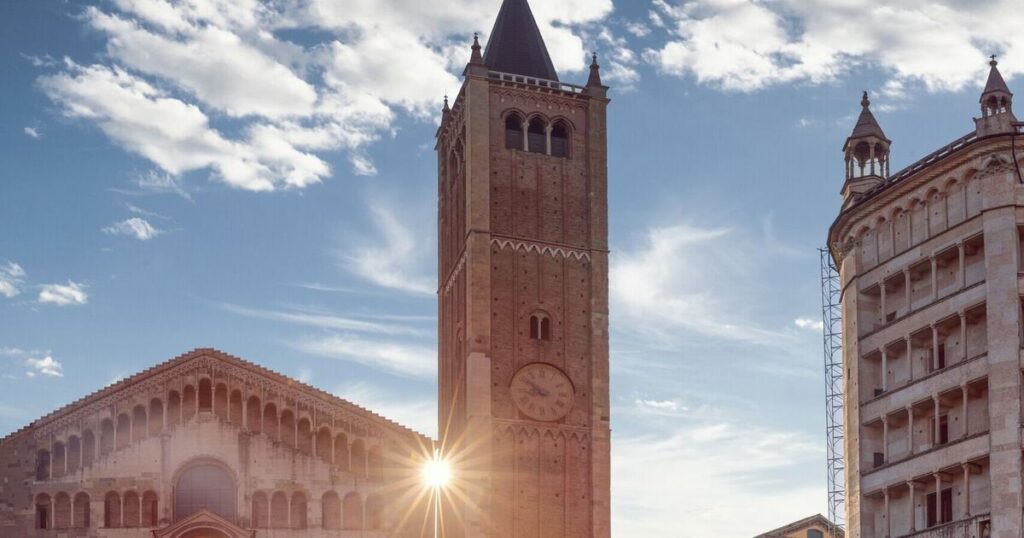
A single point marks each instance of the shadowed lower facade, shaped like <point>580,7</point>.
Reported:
<point>930,262</point>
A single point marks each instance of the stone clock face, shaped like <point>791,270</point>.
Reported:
<point>542,392</point>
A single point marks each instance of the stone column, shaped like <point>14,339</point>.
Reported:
<point>547,136</point>
<point>964,393</point>
<point>967,490</point>
<point>881,288</point>
<point>935,347</point>
<point>526,135</point>
<point>910,358</point>
<point>935,430</point>
<point>888,527</point>
<point>885,369</point>
<point>938,498</point>
<point>910,430</point>
<point>885,438</point>
<point>913,507</point>
<point>907,284</point>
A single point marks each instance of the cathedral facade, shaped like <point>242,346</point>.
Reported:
<point>931,260</point>
<point>207,445</point>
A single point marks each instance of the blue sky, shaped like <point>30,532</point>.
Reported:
<point>260,179</point>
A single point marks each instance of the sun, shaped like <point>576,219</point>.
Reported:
<point>436,472</point>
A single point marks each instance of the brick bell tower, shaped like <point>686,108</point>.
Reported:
<point>523,294</point>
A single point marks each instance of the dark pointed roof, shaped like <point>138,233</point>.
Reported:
<point>867,125</point>
<point>515,45</point>
<point>995,81</point>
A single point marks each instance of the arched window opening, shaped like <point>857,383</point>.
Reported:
<point>74,453</point>
<point>305,441</point>
<point>537,137</point>
<point>139,424</point>
<point>331,507</point>
<point>279,511</point>
<point>112,510</point>
<point>43,511</point>
<point>352,512</point>
<point>560,140</point>
<point>205,395</point>
<point>124,431</point>
<point>252,410</point>
<point>374,513</point>
<point>106,437</point>
<point>59,460</point>
<point>88,448</point>
<point>62,511</point>
<point>173,408</point>
<point>131,510</point>
<point>156,417</point>
<point>288,427</point>
<point>514,132</point>
<point>150,509</point>
<point>270,420</point>
<point>205,486</point>
<point>341,451</point>
<point>358,458</point>
<point>323,444</point>
<point>298,516</point>
<point>220,401</point>
<point>540,327</point>
<point>235,415</point>
<point>43,465</point>
<point>260,511</point>
<point>188,402</point>
<point>81,512</point>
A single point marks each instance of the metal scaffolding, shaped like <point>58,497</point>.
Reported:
<point>832,329</point>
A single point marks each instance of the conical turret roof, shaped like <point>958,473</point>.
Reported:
<point>995,81</point>
<point>867,125</point>
<point>516,46</point>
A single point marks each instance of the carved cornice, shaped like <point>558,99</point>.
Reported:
<point>556,251</point>
<point>539,429</point>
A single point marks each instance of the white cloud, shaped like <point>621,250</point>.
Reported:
<point>809,323</point>
<point>136,227</point>
<point>688,278</point>
<point>746,45</point>
<point>325,320</point>
<point>733,481</point>
<point>394,259</point>
<point>46,366</point>
<point>33,132</point>
<point>71,293</point>
<point>408,360</point>
<point>659,405</point>
<point>12,276</point>
<point>173,74</point>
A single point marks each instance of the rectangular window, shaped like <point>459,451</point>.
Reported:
<point>879,459</point>
<point>943,429</point>
<point>890,317</point>
<point>942,355</point>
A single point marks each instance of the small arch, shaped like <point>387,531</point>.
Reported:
<point>540,326</point>
<point>173,408</point>
<point>260,510</point>
<point>156,417</point>
<point>204,484</point>
<point>44,511</point>
<point>106,437</point>
<point>323,444</point>
<point>305,436</point>
<point>352,512</point>
<point>331,506</point>
<point>59,459</point>
<point>514,131</point>
<point>358,457</point>
<point>279,511</point>
<point>560,139</point>
<point>374,513</point>
<point>124,431</point>
<point>62,511</point>
<point>220,401</point>
<point>270,420</point>
<point>288,427</point>
<point>252,418</point>
<point>150,509</point>
<point>205,394</point>
<point>235,407</point>
<point>188,402</point>
<point>139,423</point>
<point>341,451</point>
<point>131,510</point>
<point>81,511</point>
<point>74,453</point>
<point>88,448</point>
<point>537,136</point>
<point>43,464</point>
<point>298,510</point>
<point>112,510</point>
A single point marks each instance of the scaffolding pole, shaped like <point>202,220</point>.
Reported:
<point>832,330</point>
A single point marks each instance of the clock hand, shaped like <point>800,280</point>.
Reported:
<point>536,387</point>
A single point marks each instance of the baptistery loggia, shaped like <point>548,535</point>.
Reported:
<point>209,441</point>
<point>930,262</point>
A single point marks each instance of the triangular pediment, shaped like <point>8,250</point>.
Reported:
<point>203,520</point>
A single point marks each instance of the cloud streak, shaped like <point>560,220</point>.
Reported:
<point>12,277</point>
<point>136,227</point>
<point>68,294</point>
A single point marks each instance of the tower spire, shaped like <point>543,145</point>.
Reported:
<point>996,104</point>
<point>515,45</point>
<point>867,154</point>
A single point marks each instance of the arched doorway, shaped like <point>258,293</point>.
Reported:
<point>206,486</point>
